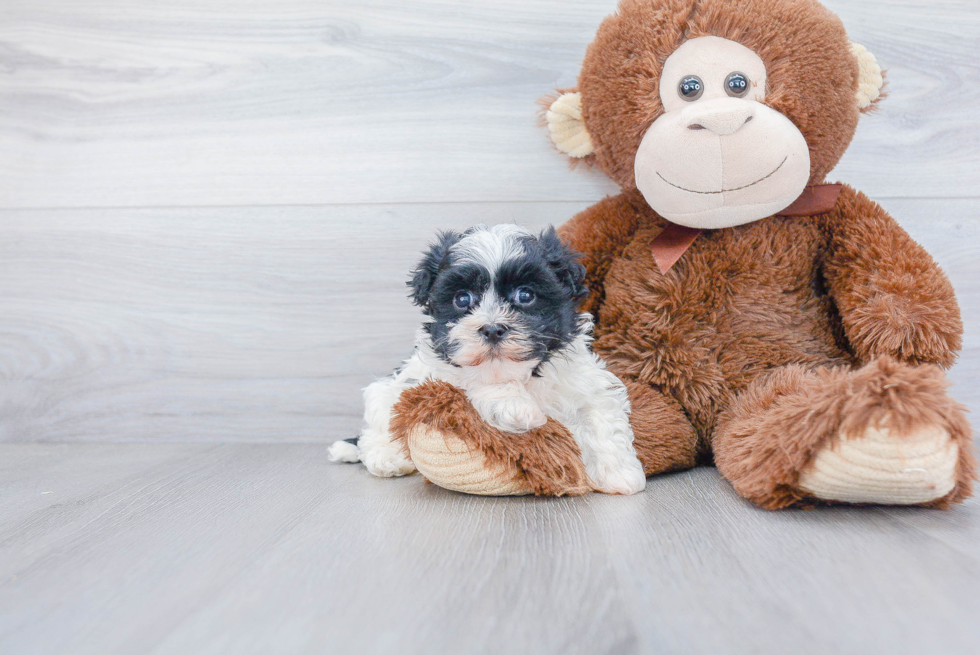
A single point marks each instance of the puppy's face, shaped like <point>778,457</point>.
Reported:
<point>499,294</point>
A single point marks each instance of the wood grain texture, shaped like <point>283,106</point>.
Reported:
<point>262,324</point>
<point>177,548</point>
<point>252,102</point>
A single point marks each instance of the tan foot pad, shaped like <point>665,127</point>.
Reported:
<point>880,468</point>
<point>450,463</point>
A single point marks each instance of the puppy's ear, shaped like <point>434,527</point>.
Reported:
<point>425,272</point>
<point>564,262</point>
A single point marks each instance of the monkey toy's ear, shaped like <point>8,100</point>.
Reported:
<point>565,124</point>
<point>871,78</point>
<point>425,272</point>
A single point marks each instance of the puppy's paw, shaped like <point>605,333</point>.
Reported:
<point>387,461</point>
<point>617,477</point>
<point>343,451</point>
<point>513,414</point>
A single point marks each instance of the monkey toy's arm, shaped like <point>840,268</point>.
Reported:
<point>600,233</point>
<point>892,297</point>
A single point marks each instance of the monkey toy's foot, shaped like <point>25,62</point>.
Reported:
<point>881,465</point>
<point>886,433</point>
<point>453,448</point>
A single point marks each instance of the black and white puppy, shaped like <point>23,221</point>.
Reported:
<point>503,327</point>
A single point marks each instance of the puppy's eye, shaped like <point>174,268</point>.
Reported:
<point>524,296</point>
<point>690,88</point>
<point>463,300</point>
<point>737,85</point>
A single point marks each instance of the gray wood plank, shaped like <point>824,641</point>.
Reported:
<point>133,103</point>
<point>252,548</point>
<point>37,481</point>
<point>722,576</point>
<point>262,324</point>
<point>195,559</point>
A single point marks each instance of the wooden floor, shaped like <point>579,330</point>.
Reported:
<point>207,211</point>
<point>269,548</point>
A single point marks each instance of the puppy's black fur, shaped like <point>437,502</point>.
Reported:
<point>543,264</point>
<point>425,272</point>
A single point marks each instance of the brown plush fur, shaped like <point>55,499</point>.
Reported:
<point>547,457</point>
<point>765,341</point>
<point>766,438</point>
<point>766,302</point>
<point>665,440</point>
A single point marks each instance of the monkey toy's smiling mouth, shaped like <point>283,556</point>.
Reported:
<point>738,188</point>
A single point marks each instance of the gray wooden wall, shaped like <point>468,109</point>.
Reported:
<point>207,210</point>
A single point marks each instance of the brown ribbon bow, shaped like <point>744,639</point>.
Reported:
<point>674,240</point>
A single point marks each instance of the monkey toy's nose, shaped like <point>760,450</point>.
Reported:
<point>723,117</point>
<point>494,333</point>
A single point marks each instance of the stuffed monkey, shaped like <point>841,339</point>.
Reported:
<point>786,329</point>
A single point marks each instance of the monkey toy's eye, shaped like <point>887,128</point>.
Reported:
<point>737,85</point>
<point>524,296</point>
<point>690,88</point>
<point>463,300</point>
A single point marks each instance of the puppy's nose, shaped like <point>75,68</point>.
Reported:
<point>494,333</point>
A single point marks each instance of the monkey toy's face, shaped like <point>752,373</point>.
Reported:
<point>717,156</point>
<point>718,112</point>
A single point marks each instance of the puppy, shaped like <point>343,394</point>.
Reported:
<point>503,327</point>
